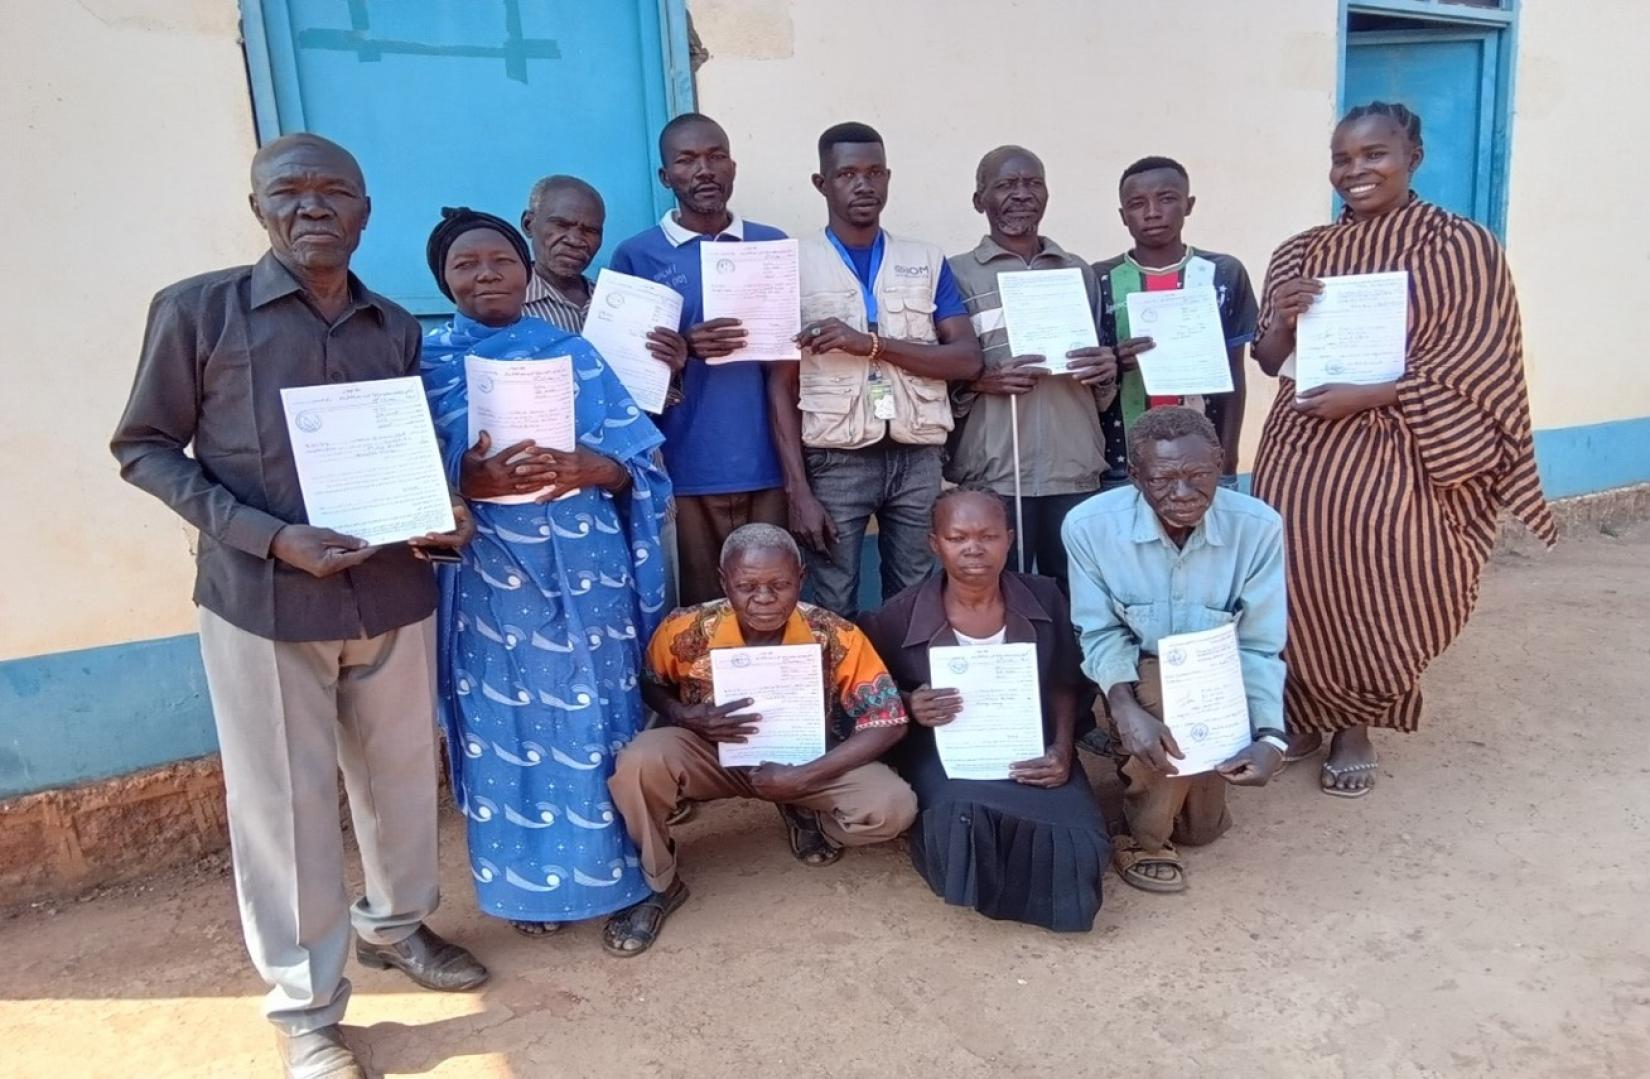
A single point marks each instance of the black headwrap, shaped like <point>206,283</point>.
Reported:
<point>455,222</point>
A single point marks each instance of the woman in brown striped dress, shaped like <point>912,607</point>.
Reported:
<point>1390,493</point>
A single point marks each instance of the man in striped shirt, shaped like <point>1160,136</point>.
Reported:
<point>563,221</point>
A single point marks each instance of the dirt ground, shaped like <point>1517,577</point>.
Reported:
<point>1485,911</point>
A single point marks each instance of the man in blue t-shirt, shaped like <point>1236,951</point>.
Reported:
<point>718,437</point>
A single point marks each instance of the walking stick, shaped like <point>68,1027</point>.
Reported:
<point>1019,508</point>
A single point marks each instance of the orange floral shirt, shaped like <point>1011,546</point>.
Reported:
<point>857,684</point>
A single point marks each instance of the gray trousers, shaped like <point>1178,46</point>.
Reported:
<point>898,485</point>
<point>289,716</point>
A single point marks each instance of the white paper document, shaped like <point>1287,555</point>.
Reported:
<point>623,311</point>
<point>787,687</point>
<point>1204,703</point>
<point>514,400</point>
<point>1001,722</point>
<point>1048,314</point>
<point>1356,331</point>
<point>1188,354</point>
<point>367,459</point>
<point>757,284</point>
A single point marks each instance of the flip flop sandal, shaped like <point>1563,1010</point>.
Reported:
<point>808,843</point>
<point>641,923</point>
<point>1128,859</point>
<point>538,929</point>
<point>1333,775</point>
<point>682,814</point>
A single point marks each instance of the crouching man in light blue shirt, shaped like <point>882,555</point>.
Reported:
<point>1172,554</point>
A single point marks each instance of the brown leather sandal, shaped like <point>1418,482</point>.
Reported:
<point>808,842</point>
<point>639,925</point>
<point>1129,859</point>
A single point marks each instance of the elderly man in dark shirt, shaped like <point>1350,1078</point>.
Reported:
<point>319,650</point>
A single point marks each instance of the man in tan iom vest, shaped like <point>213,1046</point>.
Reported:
<point>884,329</point>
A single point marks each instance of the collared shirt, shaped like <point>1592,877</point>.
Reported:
<point>858,689</point>
<point>217,352</point>
<point>1062,445</point>
<point>679,235</point>
<point>718,439</point>
<point>548,302</point>
<point>907,626</point>
<point>1131,586</point>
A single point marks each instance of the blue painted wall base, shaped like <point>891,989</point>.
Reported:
<point>1596,457</point>
<point>74,717</point>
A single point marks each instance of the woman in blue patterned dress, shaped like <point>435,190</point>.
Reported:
<point>543,622</point>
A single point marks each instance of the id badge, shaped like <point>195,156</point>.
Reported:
<point>882,398</point>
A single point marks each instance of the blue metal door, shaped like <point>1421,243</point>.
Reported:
<point>1449,78</point>
<point>467,103</point>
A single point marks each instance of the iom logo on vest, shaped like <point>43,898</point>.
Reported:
<point>911,271</point>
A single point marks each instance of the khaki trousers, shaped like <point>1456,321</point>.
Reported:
<point>1164,809</point>
<point>289,716</point>
<point>667,765</point>
<point>703,524</point>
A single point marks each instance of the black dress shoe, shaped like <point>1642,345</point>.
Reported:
<point>426,959</point>
<point>318,1054</point>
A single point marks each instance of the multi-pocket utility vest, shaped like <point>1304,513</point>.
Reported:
<point>836,393</point>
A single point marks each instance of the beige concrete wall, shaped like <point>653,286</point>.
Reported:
<point>127,138</point>
<point>1578,228</point>
<point>1242,94</point>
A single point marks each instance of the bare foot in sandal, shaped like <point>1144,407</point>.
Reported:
<point>1155,871</point>
<point>538,929</point>
<point>633,930</point>
<point>1350,770</point>
<point>808,843</point>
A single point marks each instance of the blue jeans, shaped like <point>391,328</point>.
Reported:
<point>896,483</point>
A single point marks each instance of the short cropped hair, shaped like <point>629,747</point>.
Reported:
<point>993,160</point>
<point>1152,164</point>
<point>848,133</point>
<point>687,119</point>
<point>548,184</point>
<point>1168,424</point>
<point>961,490</point>
<point>280,145</point>
<point>758,537</point>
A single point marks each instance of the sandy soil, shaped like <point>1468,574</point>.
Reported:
<point>1485,911</point>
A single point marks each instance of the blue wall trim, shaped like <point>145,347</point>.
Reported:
<point>1580,460</point>
<point>71,717</point>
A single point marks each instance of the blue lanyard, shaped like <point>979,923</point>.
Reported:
<point>865,292</point>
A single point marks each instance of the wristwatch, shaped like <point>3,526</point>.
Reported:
<point>1273,738</point>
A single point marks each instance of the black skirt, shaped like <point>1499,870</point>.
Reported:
<point>1010,851</point>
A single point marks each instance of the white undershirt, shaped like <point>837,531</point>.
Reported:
<point>995,638</point>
